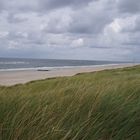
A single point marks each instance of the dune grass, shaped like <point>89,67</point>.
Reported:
<point>93,106</point>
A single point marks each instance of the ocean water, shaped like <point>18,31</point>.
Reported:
<point>29,64</point>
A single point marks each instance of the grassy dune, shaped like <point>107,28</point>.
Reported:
<point>94,106</point>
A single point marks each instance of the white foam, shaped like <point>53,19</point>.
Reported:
<point>13,63</point>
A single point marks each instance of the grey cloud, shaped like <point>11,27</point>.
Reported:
<point>137,25</point>
<point>86,23</point>
<point>16,35</point>
<point>26,38</point>
<point>81,21</point>
<point>55,26</point>
<point>35,38</point>
<point>16,5</point>
<point>129,6</point>
<point>1,5</point>
<point>133,41</point>
<point>53,4</point>
<point>65,28</point>
<point>131,44</point>
<point>12,18</point>
<point>40,5</point>
<point>134,27</point>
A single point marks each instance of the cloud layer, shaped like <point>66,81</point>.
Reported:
<point>70,29</point>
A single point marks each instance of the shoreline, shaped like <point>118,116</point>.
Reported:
<point>9,78</point>
<point>56,68</point>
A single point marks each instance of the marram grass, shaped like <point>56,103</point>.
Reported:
<point>94,106</point>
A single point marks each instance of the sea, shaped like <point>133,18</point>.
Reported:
<point>12,64</point>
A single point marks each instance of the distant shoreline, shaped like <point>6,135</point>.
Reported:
<point>12,77</point>
<point>58,67</point>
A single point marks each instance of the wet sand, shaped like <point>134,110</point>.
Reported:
<point>8,78</point>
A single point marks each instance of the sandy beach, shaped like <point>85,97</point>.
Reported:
<point>9,78</point>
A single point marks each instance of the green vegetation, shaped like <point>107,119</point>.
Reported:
<point>93,106</point>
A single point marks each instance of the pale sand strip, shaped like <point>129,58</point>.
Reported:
<point>9,78</point>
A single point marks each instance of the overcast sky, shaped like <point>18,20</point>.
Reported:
<point>70,29</point>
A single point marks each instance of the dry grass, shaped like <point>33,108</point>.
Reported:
<point>95,106</point>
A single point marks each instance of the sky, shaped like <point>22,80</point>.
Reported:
<point>70,29</point>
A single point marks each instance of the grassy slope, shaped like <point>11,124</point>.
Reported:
<point>94,106</point>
